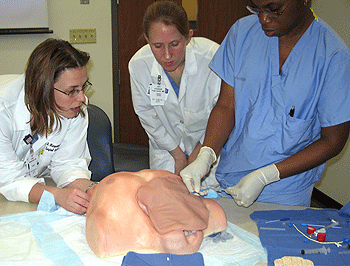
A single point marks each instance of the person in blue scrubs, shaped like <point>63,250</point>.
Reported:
<point>284,105</point>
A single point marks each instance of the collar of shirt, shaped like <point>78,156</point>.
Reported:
<point>22,114</point>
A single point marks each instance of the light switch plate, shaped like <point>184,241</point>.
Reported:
<point>82,35</point>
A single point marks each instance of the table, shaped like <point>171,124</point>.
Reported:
<point>239,216</point>
<point>9,207</point>
<point>235,214</point>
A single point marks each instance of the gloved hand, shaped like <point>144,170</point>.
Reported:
<point>249,188</point>
<point>193,173</point>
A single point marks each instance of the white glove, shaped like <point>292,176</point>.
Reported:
<point>193,173</point>
<point>250,186</point>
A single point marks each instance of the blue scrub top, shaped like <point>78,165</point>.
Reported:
<point>315,79</point>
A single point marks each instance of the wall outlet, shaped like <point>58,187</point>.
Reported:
<point>82,35</point>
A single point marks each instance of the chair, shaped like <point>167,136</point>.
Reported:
<point>130,157</point>
<point>108,157</point>
<point>99,138</point>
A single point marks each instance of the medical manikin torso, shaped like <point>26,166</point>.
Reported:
<point>149,211</point>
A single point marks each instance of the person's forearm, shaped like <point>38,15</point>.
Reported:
<point>194,153</point>
<point>222,119</point>
<point>180,159</point>
<point>219,128</point>
<point>38,189</point>
<point>313,155</point>
<point>329,145</point>
<point>177,153</point>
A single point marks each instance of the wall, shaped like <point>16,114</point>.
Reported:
<point>65,15</point>
<point>191,9</point>
<point>336,180</point>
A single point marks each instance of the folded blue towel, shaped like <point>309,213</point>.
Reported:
<point>162,259</point>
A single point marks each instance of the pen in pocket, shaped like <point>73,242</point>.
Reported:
<point>291,112</point>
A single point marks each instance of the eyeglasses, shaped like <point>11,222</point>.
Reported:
<point>271,13</point>
<point>74,93</point>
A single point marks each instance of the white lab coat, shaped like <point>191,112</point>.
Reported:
<point>182,120</point>
<point>63,155</point>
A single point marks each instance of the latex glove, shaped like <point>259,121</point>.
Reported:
<point>193,173</point>
<point>250,186</point>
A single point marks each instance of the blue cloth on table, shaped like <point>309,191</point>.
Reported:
<point>55,236</point>
<point>289,242</point>
<point>162,259</point>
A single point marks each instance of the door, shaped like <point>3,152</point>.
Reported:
<point>215,17</point>
<point>127,19</point>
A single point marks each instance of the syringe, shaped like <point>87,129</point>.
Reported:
<point>316,250</point>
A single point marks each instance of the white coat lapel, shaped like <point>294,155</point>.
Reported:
<point>190,69</point>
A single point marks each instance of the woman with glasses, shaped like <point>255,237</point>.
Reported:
<point>173,89</point>
<point>284,105</point>
<point>43,128</point>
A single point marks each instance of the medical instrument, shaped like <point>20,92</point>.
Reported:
<point>334,223</point>
<point>346,246</point>
<point>311,230</point>
<point>321,236</point>
<point>316,250</point>
<point>199,193</point>
<point>338,244</point>
<point>282,220</point>
<point>320,225</point>
<point>220,237</point>
<point>273,228</point>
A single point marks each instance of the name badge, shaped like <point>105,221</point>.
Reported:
<point>32,163</point>
<point>157,94</point>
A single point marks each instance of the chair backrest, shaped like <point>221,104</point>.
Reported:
<point>99,138</point>
<point>130,157</point>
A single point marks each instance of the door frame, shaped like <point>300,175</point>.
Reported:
<point>115,70</point>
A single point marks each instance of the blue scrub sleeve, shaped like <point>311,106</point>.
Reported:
<point>223,63</point>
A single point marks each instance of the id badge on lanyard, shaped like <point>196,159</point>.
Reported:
<point>157,92</point>
<point>32,161</point>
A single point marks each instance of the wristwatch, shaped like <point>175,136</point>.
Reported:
<point>90,186</point>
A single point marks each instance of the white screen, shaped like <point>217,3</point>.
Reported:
<point>23,14</point>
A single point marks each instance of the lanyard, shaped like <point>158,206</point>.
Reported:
<point>32,162</point>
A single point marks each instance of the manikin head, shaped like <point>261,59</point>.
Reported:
<point>149,211</point>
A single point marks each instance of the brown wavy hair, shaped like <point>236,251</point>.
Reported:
<point>168,12</point>
<point>45,64</point>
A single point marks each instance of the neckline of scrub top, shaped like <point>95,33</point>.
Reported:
<point>293,56</point>
<point>173,83</point>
